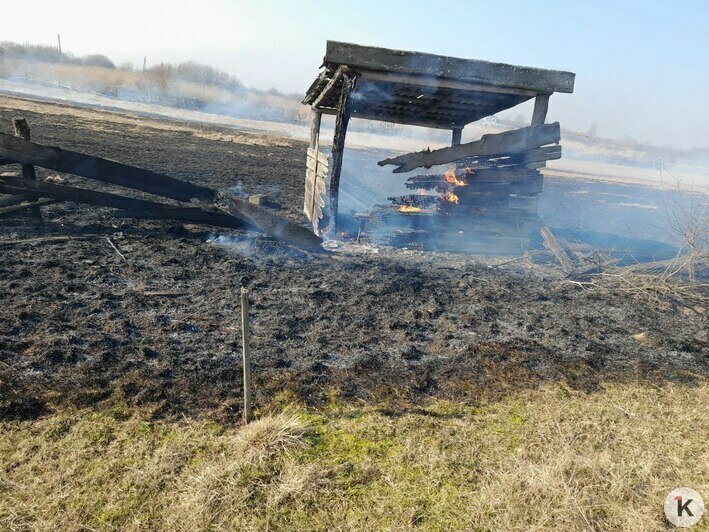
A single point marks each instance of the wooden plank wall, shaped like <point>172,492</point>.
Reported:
<point>317,167</point>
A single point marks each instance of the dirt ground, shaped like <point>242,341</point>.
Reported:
<point>77,327</point>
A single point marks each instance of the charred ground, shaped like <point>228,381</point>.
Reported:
<point>78,323</point>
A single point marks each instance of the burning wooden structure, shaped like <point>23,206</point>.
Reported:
<point>495,178</point>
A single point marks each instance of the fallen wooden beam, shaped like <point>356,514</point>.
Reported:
<point>184,214</point>
<point>271,224</point>
<point>516,141</point>
<point>27,205</point>
<point>104,170</point>
<point>45,239</point>
<point>128,176</point>
<point>132,207</point>
<point>14,200</point>
<point>545,153</point>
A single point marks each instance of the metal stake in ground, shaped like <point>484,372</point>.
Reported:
<point>244,281</point>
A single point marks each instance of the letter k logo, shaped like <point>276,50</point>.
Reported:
<point>683,507</point>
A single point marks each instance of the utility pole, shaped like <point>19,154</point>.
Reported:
<point>145,61</point>
<point>59,42</point>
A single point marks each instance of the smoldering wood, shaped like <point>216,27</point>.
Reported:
<point>271,224</point>
<point>100,169</point>
<point>515,141</point>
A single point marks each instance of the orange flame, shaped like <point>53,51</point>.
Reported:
<point>451,178</point>
<point>449,197</point>
<point>409,208</point>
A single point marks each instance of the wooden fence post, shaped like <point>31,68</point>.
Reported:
<point>246,359</point>
<point>22,129</point>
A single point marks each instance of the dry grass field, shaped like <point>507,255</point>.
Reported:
<point>548,459</point>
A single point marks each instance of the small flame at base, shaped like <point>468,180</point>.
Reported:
<point>409,208</point>
<point>449,197</point>
<point>451,178</point>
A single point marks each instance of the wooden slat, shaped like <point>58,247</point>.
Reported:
<point>322,157</point>
<point>315,187</point>
<point>476,71</point>
<point>515,141</point>
<point>100,169</point>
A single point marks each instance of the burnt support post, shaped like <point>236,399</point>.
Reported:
<point>457,136</point>
<point>344,110</point>
<point>541,106</point>
<point>315,130</point>
<point>22,129</point>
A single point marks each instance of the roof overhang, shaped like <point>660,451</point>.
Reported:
<point>425,89</point>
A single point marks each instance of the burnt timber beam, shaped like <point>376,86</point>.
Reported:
<point>475,71</point>
<point>344,110</point>
<point>100,169</point>
<point>514,141</point>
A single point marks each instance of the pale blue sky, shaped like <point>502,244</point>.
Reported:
<point>642,67</point>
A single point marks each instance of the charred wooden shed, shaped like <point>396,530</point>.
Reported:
<point>438,92</point>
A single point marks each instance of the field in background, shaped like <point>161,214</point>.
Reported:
<point>539,460</point>
<point>585,154</point>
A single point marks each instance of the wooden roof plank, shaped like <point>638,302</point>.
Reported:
<point>469,70</point>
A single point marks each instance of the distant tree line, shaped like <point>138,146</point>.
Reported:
<point>189,71</point>
<point>40,53</point>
